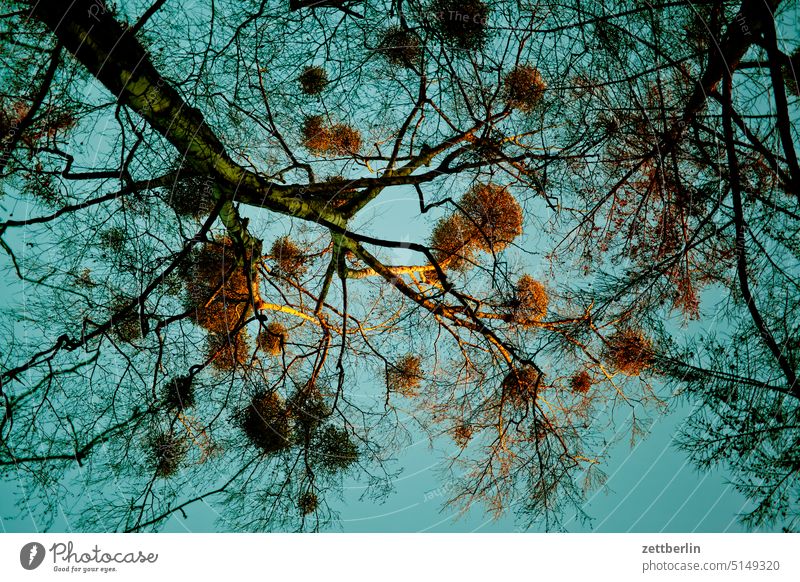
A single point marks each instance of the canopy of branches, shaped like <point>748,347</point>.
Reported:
<point>215,294</point>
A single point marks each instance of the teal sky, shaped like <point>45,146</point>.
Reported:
<point>651,487</point>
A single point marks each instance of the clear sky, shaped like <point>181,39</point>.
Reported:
<point>650,486</point>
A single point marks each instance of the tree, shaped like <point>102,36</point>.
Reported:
<point>205,302</point>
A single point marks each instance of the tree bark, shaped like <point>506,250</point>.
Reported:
<point>114,56</point>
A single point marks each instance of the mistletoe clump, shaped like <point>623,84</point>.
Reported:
<point>167,451</point>
<point>405,375</point>
<point>266,423</point>
<point>400,47</point>
<point>524,88</point>
<point>581,382</point>
<point>309,410</point>
<point>345,139</point>
<point>272,339</point>
<point>126,325</point>
<point>339,183</point>
<point>630,352</point>
<point>314,134</point>
<point>179,393</point>
<point>329,139</point>
<point>529,305</point>
<point>521,386</point>
<point>217,288</point>
<point>462,434</point>
<point>452,242</point>
<point>313,80</point>
<point>228,351</point>
<point>51,124</point>
<point>290,261</point>
<point>11,117</point>
<point>462,24</point>
<point>308,503</point>
<point>114,239</point>
<point>490,218</point>
<point>495,214</point>
<point>191,196</point>
<point>334,450</point>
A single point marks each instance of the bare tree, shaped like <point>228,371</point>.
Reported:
<point>207,302</point>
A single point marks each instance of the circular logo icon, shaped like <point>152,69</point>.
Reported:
<point>31,555</point>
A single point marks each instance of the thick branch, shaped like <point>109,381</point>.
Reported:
<point>741,251</point>
<point>119,61</point>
